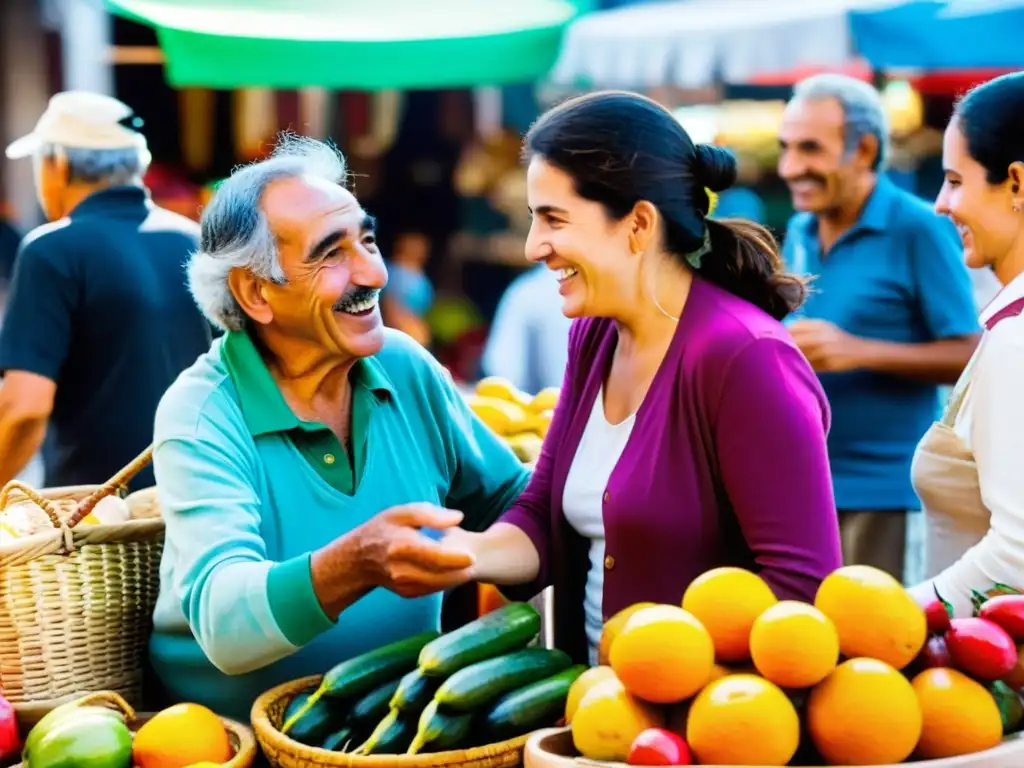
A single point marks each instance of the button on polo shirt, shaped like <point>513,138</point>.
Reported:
<point>266,411</point>
<point>898,275</point>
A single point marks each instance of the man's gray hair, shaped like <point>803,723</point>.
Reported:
<point>235,233</point>
<point>112,167</point>
<point>864,113</point>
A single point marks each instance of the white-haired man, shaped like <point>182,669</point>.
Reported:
<point>305,460</point>
<point>892,315</point>
<point>99,320</point>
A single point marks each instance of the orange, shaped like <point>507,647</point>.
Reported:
<point>960,716</point>
<point>608,719</point>
<point>794,645</point>
<point>864,713</point>
<point>611,630</point>
<point>727,601</point>
<point>743,720</point>
<point>663,654</point>
<point>183,735</point>
<point>581,685</point>
<point>873,614</point>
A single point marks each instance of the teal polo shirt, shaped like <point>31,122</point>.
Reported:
<point>898,275</point>
<point>248,491</point>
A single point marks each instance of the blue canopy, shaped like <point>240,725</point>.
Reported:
<point>941,34</point>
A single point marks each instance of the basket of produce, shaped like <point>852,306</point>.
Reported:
<point>466,699</point>
<point>101,730</point>
<point>863,676</point>
<point>79,577</point>
<point>520,419</point>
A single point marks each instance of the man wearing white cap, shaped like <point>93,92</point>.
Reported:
<point>99,319</point>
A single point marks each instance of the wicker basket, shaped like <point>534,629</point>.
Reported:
<point>242,740</point>
<point>283,752</point>
<point>552,748</point>
<point>76,603</point>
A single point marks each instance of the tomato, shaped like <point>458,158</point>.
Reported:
<point>1008,612</point>
<point>656,746</point>
<point>981,648</point>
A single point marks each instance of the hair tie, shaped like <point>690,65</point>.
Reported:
<point>693,258</point>
<point>712,200</point>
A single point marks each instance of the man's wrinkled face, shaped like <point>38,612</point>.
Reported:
<point>813,159</point>
<point>328,251</point>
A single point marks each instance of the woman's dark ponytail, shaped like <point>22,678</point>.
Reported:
<point>745,261</point>
<point>744,257</point>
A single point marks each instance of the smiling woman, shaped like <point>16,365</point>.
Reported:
<point>967,467</point>
<point>690,431</point>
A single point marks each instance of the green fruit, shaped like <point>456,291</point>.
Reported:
<point>414,692</point>
<point>440,731</point>
<point>392,736</point>
<point>59,715</point>
<point>368,710</point>
<point>338,740</point>
<point>538,705</point>
<point>485,681</point>
<point>86,741</point>
<point>361,674</point>
<point>318,720</point>
<point>506,629</point>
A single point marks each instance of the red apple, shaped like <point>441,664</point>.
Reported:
<point>981,648</point>
<point>1008,612</point>
<point>656,746</point>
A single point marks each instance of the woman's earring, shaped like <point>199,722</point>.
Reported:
<point>1016,207</point>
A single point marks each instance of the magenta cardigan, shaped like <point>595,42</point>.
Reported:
<point>726,465</point>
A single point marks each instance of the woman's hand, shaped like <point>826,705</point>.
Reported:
<point>503,554</point>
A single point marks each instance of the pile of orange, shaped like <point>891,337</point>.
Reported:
<point>747,679</point>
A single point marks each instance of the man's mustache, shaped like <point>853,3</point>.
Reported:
<point>808,177</point>
<point>356,295</point>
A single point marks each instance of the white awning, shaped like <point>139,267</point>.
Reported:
<point>694,43</point>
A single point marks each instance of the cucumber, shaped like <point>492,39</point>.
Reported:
<point>369,710</point>
<point>506,629</point>
<point>315,721</point>
<point>392,736</point>
<point>485,681</point>
<point>538,705</point>
<point>440,731</point>
<point>414,692</point>
<point>361,674</point>
<point>338,740</point>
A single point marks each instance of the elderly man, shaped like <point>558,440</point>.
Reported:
<point>892,315</point>
<point>305,462</point>
<point>99,320</point>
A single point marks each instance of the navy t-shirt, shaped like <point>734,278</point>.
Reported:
<point>99,304</point>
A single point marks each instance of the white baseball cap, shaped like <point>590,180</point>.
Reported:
<point>80,120</point>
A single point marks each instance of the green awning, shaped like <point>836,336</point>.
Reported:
<point>354,44</point>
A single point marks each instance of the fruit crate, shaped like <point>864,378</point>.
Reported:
<point>553,748</point>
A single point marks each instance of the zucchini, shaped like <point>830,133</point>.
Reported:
<point>538,705</point>
<point>414,692</point>
<point>440,731</point>
<point>338,741</point>
<point>361,674</point>
<point>506,629</point>
<point>313,722</point>
<point>392,736</point>
<point>368,710</point>
<point>485,681</point>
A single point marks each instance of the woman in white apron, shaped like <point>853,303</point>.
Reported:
<point>969,467</point>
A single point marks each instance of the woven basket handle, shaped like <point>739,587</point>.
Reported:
<point>44,504</point>
<point>110,487</point>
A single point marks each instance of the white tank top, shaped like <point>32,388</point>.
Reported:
<point>598,453</point>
